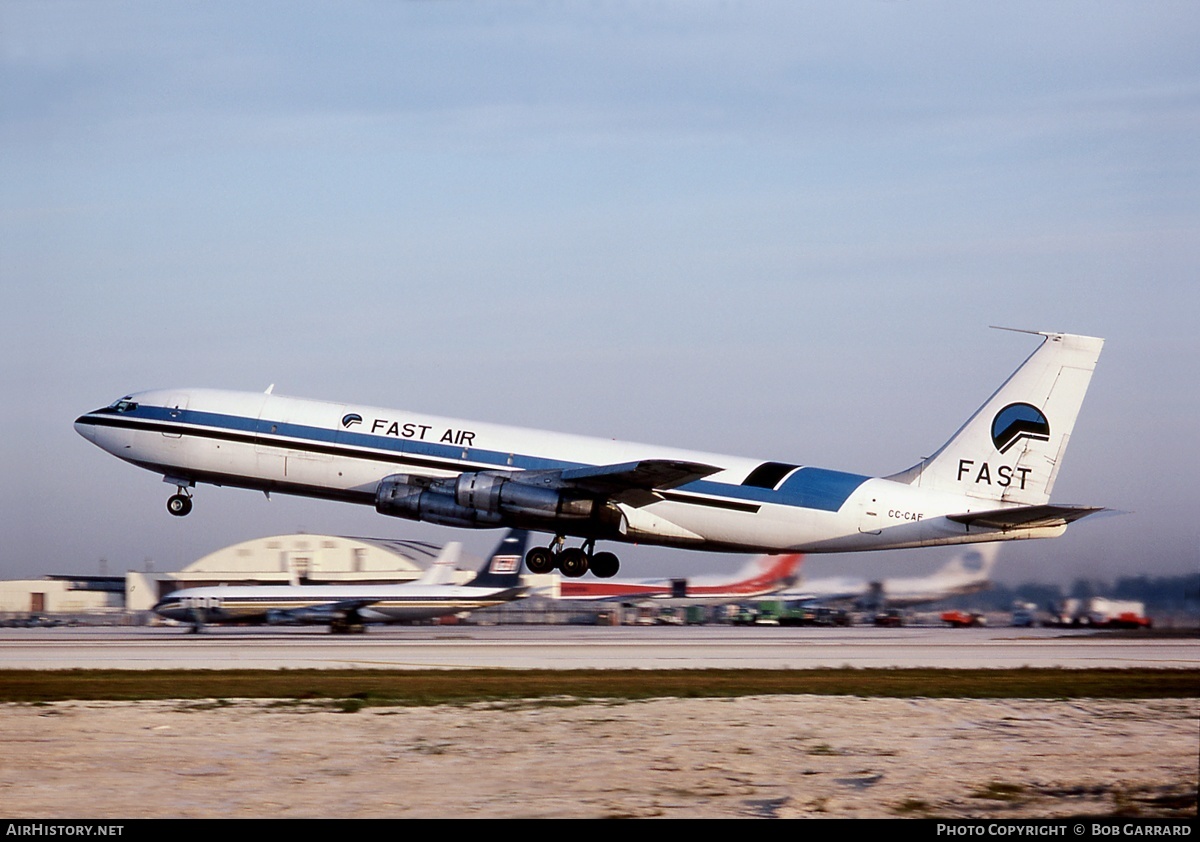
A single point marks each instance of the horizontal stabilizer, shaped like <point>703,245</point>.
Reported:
<point>1025,517</point>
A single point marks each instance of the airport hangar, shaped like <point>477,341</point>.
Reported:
<point>274,560</point>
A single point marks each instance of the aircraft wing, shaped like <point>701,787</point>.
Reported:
<point>812,598</point>
<point>323,614</point>
<point>635,482</point>
<point>1025,517</point>
<point>509,594</point>
<point>347,604</point>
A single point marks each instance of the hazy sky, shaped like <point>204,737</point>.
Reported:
<point>770,229</point>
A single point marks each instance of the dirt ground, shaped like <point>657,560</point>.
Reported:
<point>785,756</point>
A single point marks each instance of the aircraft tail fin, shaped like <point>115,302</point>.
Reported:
<point>503,567</point>
<point>441,572</point>
<point>1011,449</point>
<point>763,571</point>
<point>974,562</point>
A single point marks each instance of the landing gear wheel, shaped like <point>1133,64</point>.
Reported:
<point>605,565</point>
<point>179,504</point>
<point>573,562</point>
<point>539,560</point>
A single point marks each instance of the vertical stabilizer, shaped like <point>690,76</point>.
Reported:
<point>765,572</point>
<point>1012,447</point>
<point>503,567</point>
<point>442,571</point>
<point>973,564</point>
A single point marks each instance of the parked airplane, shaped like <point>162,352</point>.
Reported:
<point>990,482</point>
<point>349,607</point>
<point>764,574</point>
<point>967,572</point>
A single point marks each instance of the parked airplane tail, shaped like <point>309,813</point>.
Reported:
<point>773,570</point>
<point>1012,447</point>
<point>503,567</point>
<point>442,571</point>
<point>974,563</point>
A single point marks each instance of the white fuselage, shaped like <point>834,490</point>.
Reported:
<point>343,451</point>
<point>374,603</point>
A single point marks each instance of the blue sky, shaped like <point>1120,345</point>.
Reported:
<point>769,229</point>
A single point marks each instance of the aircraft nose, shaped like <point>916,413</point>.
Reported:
<point>169,607</point>
<point>85,428</point>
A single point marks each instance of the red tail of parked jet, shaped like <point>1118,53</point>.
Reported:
<point>762,575</point>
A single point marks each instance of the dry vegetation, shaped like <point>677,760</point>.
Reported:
<point>420,687</point>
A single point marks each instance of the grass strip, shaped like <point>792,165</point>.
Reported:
<point>427,687</point>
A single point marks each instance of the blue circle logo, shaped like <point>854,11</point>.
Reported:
<point>1016,422</point>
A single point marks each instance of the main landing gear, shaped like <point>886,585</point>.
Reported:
<point>347,626</point>
<point>572,561</point>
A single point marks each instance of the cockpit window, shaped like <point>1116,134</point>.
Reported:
<point>124,405</point>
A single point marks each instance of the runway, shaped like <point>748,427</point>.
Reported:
<point>587,647</point>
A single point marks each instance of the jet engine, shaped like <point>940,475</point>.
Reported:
<point>493,493</point>
<point>316,616</point>
<point>420,498</point>
<point>478,500</point>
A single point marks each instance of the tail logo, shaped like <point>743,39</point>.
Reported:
<point>505,564</point>
<point>1019,421</point>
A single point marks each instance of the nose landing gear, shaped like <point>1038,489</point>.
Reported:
<point>179,504</point>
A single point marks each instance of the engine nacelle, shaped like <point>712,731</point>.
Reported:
<point>478,500</point>
<point>402,495</point>
<point>497,494</point>
<point>303,616</point>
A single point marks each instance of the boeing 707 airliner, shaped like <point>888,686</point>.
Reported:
<point>350,607</point>
<point>990,482</point>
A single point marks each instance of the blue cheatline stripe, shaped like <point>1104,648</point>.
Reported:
<point>191,416</point>
<point>819,488</point>
<point>807,488</point>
